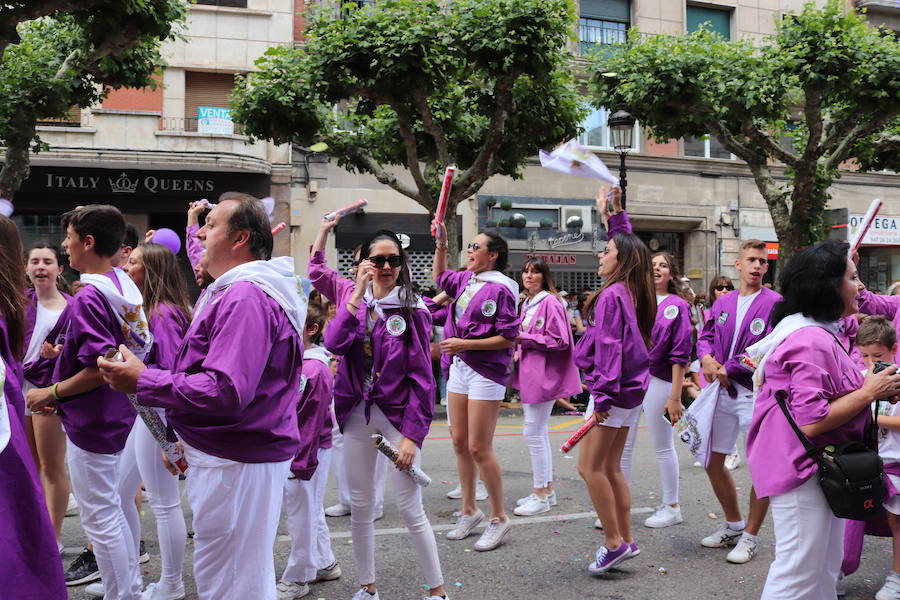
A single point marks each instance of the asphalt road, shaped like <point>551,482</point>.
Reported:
<point>544,556</point>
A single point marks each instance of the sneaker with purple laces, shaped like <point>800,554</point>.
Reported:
<point>633,550</point>
<point>607,559</point>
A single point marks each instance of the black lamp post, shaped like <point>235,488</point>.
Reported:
<point>621,132</point>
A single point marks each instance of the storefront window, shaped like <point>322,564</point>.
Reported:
<point>879,267</point>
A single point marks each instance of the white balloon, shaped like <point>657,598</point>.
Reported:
<point>6,207</point>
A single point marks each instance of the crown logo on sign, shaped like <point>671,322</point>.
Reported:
<point>123,184</point>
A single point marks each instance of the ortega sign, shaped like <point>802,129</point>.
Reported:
<point>885,231</point>
<point>211,119</point>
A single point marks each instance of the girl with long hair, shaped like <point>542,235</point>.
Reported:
<point>47,316</point>
<point>613,355</point>
<point>384,385</point>
<point>670,352</point>
<point>154,269</point>
<point>544,370</point>
<point>481,329</point>
<point>28,536</point>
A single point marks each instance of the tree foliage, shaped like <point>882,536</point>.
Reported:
<point>824,90</point>
<point>413,84</point>
<point>56,54</point>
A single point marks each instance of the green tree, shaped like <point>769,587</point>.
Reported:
<point>56,54</point>
<point>481,84</point>
<point>820,93</point>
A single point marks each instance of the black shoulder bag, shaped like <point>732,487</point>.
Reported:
<point>850,475</point>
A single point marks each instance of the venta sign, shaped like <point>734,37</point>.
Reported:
<point>123,183</point>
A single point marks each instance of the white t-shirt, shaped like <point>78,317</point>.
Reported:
<point>466,297</point>
<point>45,321</point>
<point>659,299</point>
<point>743,305</point>
<point>531,306</point>
<point>889,439</point>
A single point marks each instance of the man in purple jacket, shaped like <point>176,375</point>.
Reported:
<point>231,397</point>
<point>737,320</point>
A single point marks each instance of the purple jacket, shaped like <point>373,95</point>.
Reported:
<point>40,372</point>
<point>168,326</point>
<point>672,339</point>
<point>612,354</point>
<point>313,417</point>
<point>30,568</point>
<point>233,388</point>
<point>847,336</point>
<point>718,332</point>
<point>618,223</point>
<point>815,371</point>
<point>100,420</point>
<point>439,312</point>
<point>402,381</point>
<point>886,306</point>
<point>477,323</point>
<point>546,368</point>
<point>192,245</point>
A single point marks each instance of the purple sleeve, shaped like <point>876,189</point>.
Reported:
<point>342,331</point>
<point>231,374</point>
<point>707,339</point>
<point>682,341</point>
<point>438,312</point>
<point>93,329</point>
<point>168,325</point>
<point>326,280</point>
<point>556,334</point>
<point>876,304</point>
<point>452,281</point>
<point>811,389</point>
<point>192,245</point>
<point>610,324</point>
<point>507,321</point>
<point>618,223</point>
<point>420,408</point>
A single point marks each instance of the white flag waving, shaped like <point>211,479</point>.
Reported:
<point>574,159</point>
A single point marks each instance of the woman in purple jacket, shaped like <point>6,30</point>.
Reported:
<point>384,385</point>
<point>46,315</point>
<point>476,353</point>
<point>615,362</point>
<point>543,370</point>
<point>670,352</point>
<point>154,269</point>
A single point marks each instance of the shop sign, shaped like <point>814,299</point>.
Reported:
<point>568,239</point>
<point>211,119</point>
<point>885,231</point>
<point>772,250</point>
<point>124,183</point>
<point>556,259</point>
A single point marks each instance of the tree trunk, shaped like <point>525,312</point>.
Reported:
<point>17,161</point>
<point>450,222</point>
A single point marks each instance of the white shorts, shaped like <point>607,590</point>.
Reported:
<point>893,505</point>
<point>618,417</point>
<point>733,415</point>
<point>465,380</point>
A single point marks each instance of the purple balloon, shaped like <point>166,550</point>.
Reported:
<point>167,238</point>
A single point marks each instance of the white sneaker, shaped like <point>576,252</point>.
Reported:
<point>744,551</point>
<point>72,507</point>
<point>598,524</point>
<point>158,591</point>
<point>840,587</point>
<point>337,510</point>
<point>891,588</point>
<point>724,536</point>
<point>362,594</point>
<point>465,525</point>
<point>95,590</point>
<point>733,461</point>
<point>329,573</point>
<point>697,464</point>
<point>480,492</point>
<point>446,597</point>
<point>291,590</point>
<point>551,498</point>
<point>535,506</point>
<point>664,516</point>
<point>493,535</point>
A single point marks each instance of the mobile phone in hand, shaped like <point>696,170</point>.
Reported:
<point>880,366</point>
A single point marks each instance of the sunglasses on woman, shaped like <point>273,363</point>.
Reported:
<point>720,288</point>
<point>474,246</point>
<point>379,260</point>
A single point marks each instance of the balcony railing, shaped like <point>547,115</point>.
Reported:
<point>189,124</point>
<point>599,36</point>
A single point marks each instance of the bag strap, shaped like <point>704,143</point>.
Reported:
<point>780,398</point>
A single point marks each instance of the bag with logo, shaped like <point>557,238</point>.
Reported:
<point>850,475</point>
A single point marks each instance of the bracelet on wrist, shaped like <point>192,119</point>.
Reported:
<point>441,245</point>
<point>53,391</point>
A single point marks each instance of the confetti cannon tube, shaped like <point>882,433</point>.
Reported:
<point>441,211</point>
<point>415,473</point>
<point>864,226</point>
<point>278,228</point>
<point>350,208</point>
<point>576,437</point>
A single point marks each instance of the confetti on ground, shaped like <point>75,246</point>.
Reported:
<point>557,531</point>
<point>662,570</point>
<point>446,482</point>
<point>458,584</point>
<point>712,516</point>
<point>579,559</point>
<point>467,550</point>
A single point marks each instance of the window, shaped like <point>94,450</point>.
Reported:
<point>205,89</point>
<point>705,147</point>
<point>714,19</point>
<point>233,3</point>
<point>72,119</point>
<point>596,132</point>
<point>602,23</point>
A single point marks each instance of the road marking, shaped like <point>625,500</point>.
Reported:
<point>561,518</point>
<point>568,423</point>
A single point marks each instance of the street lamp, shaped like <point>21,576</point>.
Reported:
<point>621,132</point>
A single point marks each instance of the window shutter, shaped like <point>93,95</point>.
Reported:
<point>205,89</point>
<point>715,20</point>
<point>612,10</point>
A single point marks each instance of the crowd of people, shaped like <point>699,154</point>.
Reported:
<point>272,379</point>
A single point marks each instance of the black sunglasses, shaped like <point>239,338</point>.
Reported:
<point>719,288</point>
<point>379,260</point>
<point>474,247</point>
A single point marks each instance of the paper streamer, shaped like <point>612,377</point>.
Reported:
<point>350,208</point>
<point>864,226</point>
<point>441,211</point>
<point>576,437</point>
<point>415,473</point>
<point>572,158</point>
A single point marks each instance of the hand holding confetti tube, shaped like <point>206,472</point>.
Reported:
<point>441,211</point>
<point>576,437</point>
<point>386,448</point>
<point>350,208</point>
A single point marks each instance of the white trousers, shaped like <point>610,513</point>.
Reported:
<point>310,538</point>
<point>100,484</point>
<point>359,464</point>
<point>537,437</point>
<point>340,480</point>
<point>662,438</point>
<point>809,546</point>
<point>236,510</point>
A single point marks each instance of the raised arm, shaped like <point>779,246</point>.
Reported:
<point>440,252</point>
